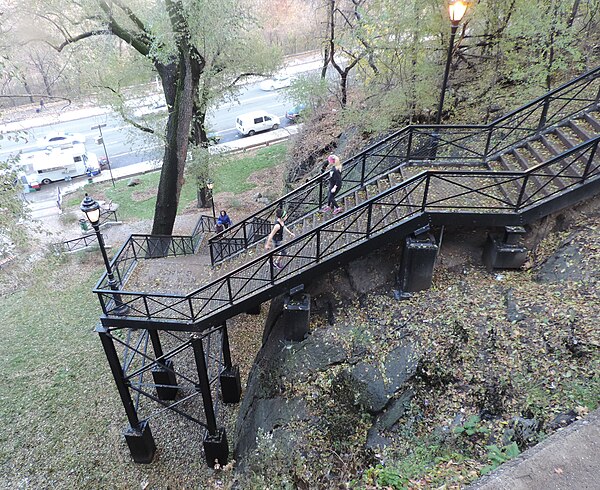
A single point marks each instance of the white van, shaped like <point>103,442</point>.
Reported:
<point>253,122</point>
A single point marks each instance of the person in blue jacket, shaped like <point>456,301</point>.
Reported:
<point>223,221</point>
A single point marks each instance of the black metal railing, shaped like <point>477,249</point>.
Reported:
<point>84,241</point>
<point>79,243</point>
<point>457,144</point>
<point>108,215</point>
<point>446,193</point>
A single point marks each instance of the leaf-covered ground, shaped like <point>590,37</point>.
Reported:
<point>506,357</point>
<point>494,346</point>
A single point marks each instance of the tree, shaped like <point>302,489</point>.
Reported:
<point>12,211</point>
<point>173,36</point>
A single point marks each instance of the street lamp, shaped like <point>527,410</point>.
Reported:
<point>101,140</point>
<point>209,185</point>
<point>456,11</point>
<point>91,209</point>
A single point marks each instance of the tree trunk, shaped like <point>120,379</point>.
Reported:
<point>180,84</point>
<point>344,87</point>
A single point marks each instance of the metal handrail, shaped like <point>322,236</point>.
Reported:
<point>448,144</point>
<point>84,241</point>
<point>367,220</point>
<point>137,247</point>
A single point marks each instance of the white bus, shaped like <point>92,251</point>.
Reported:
<point>60,163</point>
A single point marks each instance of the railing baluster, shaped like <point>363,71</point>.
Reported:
<point>589,162</point>
<point>522,193</point>
<point>487,143</point>
<point>362,169</point>
<point>228,279</point>
<point>318,257</point>
<point>369,215</point>
<point>425,192</point>
<point>544,114</point>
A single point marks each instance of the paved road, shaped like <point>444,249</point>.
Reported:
<point>126,145</point>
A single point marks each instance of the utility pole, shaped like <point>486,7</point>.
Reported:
<point>101,140</point>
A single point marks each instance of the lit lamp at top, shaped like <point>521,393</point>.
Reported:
<point>457,11</point>
<point>91,209</point>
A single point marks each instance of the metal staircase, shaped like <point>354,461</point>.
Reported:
<point>504,145</point>
<point>534,161</point>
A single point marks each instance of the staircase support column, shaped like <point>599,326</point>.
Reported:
<point>231,386</point>
<point>418,260</point>
<point>215,444</point>
<point>505,252</point>
<point>163,373</point>
<point>138,435</point>
<point>296,316</point>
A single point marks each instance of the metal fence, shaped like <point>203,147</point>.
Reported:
<point>445,193</point>
<point>454,145</point>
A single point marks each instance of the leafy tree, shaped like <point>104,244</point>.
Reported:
<point>12,211</point>
<point>198,49</point>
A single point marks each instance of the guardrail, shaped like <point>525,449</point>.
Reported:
<point>455,145</point>
<point>84,241</point>
<point>447,194</point>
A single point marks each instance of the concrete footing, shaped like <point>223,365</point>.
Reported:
<point>216,448</point>
<point>296,317</point>
<point>166,381</point>
<point>418,259</point>
<point>141,443</point>
<point>505,251</point>
<point>231,386</point>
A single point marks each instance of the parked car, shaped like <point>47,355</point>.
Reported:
<point>295,113</point>
<point>59,138</point>
<point>252,122</point>
<point>275,83</point>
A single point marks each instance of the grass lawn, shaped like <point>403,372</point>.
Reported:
<point>138,202</point>
<point>60,411</point>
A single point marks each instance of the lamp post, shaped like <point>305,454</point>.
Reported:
<point>101,140</point>
<point>210,185</point>
<point>91,209</point>
<point>456,11</point>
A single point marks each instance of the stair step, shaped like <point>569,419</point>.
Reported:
<point>539,150</point>
<point>591,119</point>
<point>564,137</point>
<point>551,144</point>
<point>522,159</point>
<point>580,131</point>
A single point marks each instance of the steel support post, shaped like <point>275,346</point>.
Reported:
<point>418,260</point>
<point>163,373</point>
<point>231,386</point>
<point>138,435</point>
<point>505,252</point>
<point>215,444</point>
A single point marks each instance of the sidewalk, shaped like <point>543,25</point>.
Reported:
<point>53,117</point>
<point>568,460</point>
<point>48,207</point>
